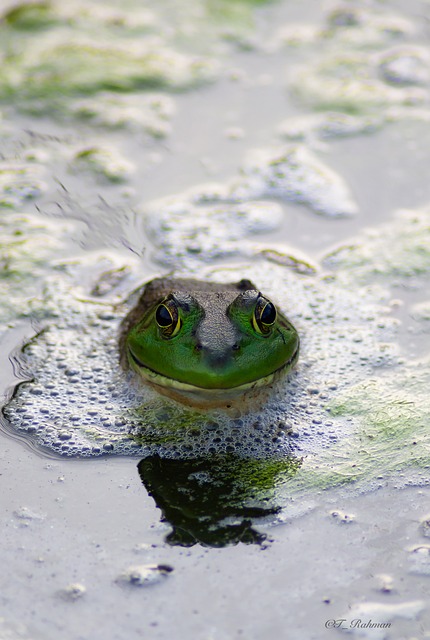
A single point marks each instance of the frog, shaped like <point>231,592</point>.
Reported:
<point>204,343</point>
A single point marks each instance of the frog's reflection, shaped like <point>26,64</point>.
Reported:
<point>214,501</point>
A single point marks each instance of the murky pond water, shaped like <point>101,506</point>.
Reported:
<point>283,143</point>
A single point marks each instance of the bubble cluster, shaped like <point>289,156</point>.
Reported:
<point>68,404</point>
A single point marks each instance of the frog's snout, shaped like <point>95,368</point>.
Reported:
<point>217,348</point>
<point>217,356</point>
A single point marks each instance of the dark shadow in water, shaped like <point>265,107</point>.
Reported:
<point>215,501</point>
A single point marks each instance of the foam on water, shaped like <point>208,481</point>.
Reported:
<point>331,124</point>
<point>80,403</point>
<point>396,251</point>
<point>60,56</point>
<point>185,233</point>
<point>352,410</point>
<point>293,173</point>
<point>19,181</point>
<point>103,163</point>
<point>366,64</point>
<point>149,113</point>
<point>210,222</point>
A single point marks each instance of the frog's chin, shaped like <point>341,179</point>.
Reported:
<point>202,397</point>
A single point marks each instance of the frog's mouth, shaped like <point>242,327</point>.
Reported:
<point>176,386</point>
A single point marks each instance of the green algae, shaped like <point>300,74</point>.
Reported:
<point>366,64</point>
<point>166,423</point>
<point>349,82</point>
<point>86,50</point>
<point>30,15</point>
<point>103,163</point>
<point>48,15</point>
<point>235,18</point>
<point>291,173</point>
<point>394,414</point>
<point>28,241</point>
<point>149,112</point>
<point>390,440</point>
<point>28,244</point>
<point>399,249</point>
<point>55,57</point>
<point>299,265</point>
<point>75,65</point>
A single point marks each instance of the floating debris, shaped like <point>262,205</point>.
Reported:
<point>24,513</point>
<point>143,575</point>
<point>73,592</point>
<point>420,560</point>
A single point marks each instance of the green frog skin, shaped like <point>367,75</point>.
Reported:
<point>205,342</point>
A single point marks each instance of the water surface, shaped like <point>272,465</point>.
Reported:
<point>262,140</point>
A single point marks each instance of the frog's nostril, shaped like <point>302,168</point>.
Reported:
<point>199,346</point>
<point>236,347</point>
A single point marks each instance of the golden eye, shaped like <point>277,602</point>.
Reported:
<point>264,316</point>
<point>167,318</point>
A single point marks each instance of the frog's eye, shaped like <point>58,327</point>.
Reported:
<point>264,316</point>
<point>167,318</point>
